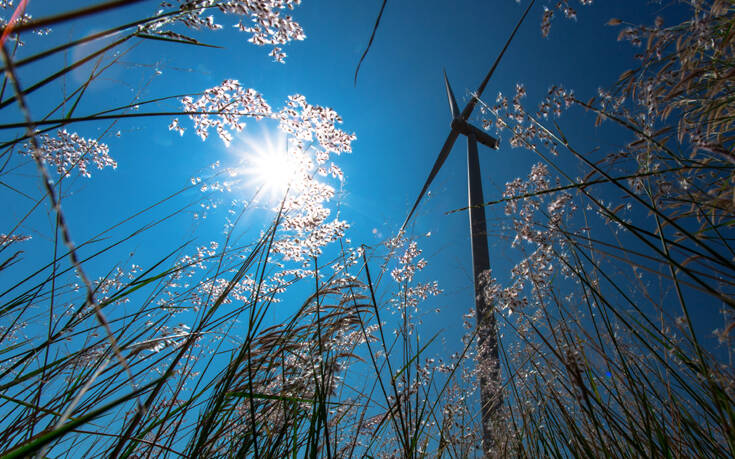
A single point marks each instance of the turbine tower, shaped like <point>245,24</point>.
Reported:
<point>488,358</point>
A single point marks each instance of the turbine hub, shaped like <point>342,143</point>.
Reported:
<point>463,127</point>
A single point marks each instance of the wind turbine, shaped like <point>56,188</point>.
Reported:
<point>488,358</point>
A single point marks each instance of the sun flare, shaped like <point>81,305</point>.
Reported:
<point>270,164</point>
<point>274,169</point>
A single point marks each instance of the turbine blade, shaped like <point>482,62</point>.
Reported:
<point>448,144</point>
<point>450,95</point>
<point>471,104</point>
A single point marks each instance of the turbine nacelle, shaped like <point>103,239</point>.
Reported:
<point>460,124</point>
<point>463,127</point>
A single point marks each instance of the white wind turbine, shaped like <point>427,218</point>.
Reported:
<point>488,358</point>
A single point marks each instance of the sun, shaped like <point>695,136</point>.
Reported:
<point>274,169</point>
<point>269,163</point>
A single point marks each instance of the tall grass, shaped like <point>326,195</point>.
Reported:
<point>621,309</point>
<point>606,322</point>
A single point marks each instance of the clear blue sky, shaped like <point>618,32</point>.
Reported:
<point>398,110</point>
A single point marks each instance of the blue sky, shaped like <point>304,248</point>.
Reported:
<point>398,111</point>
